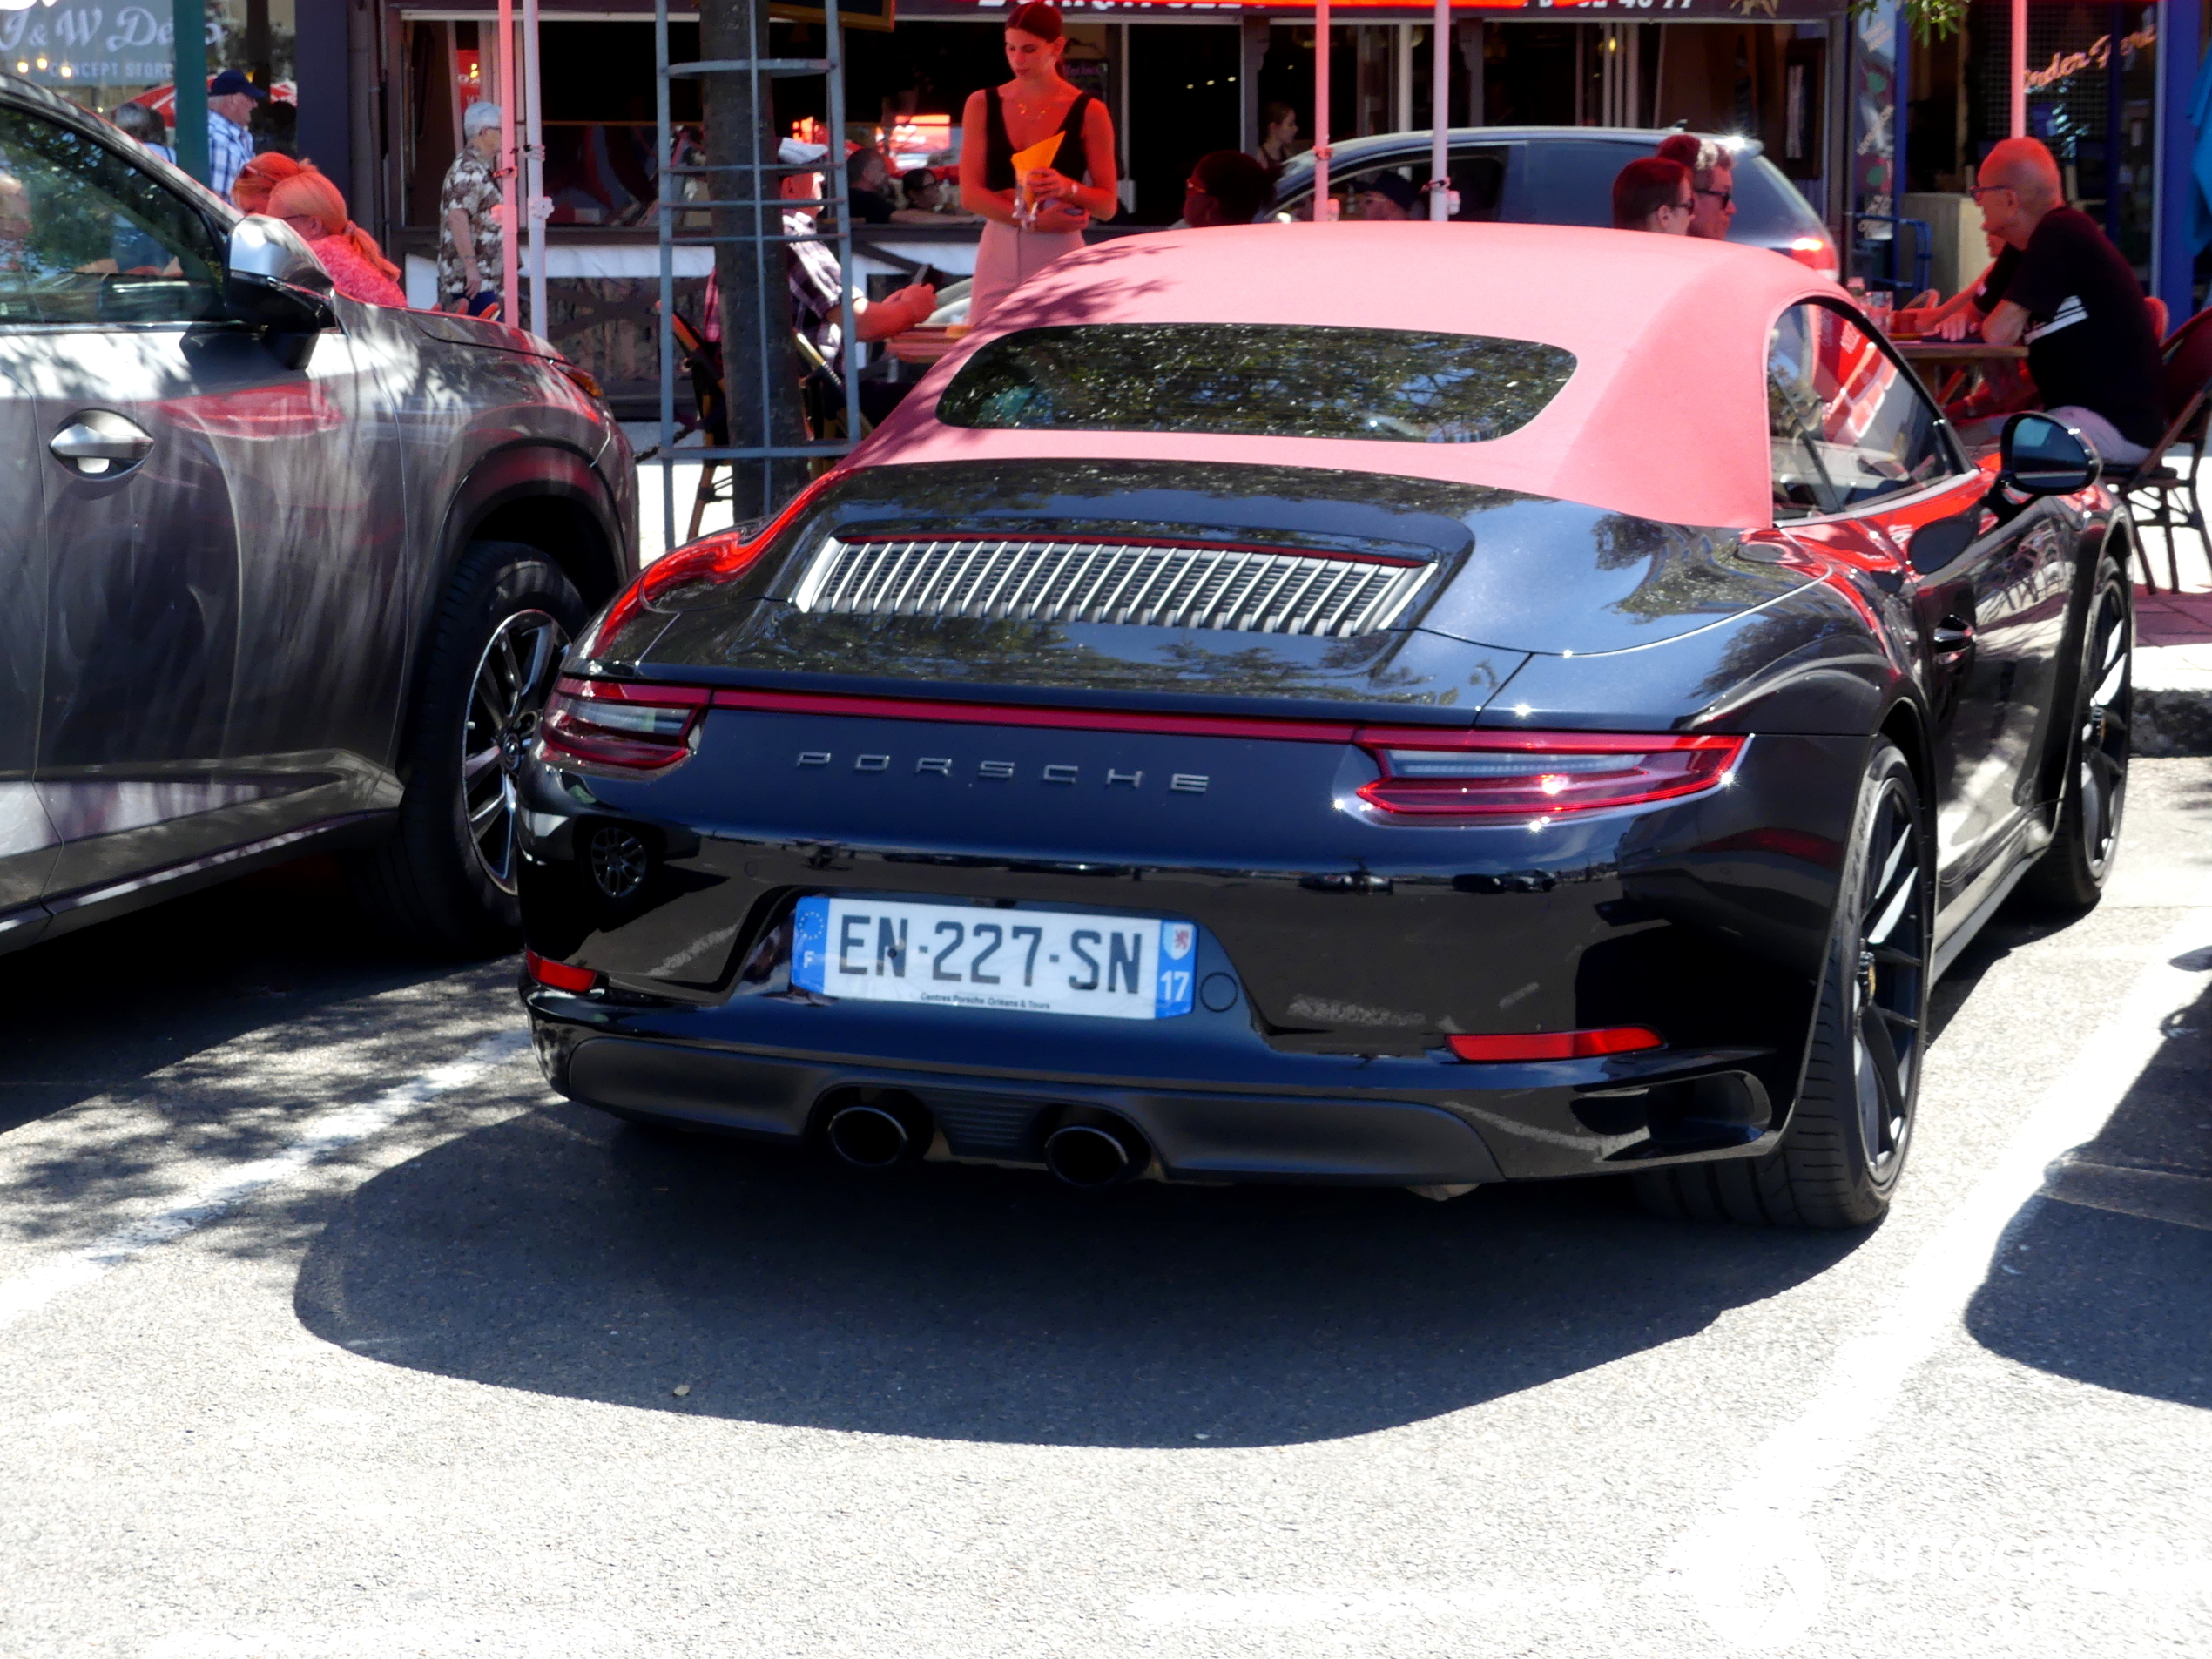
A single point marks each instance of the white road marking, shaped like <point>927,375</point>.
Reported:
<point>320,1135</point>
<point>1750,1568</point>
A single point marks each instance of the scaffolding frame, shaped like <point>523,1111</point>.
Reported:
<point>760,183</point>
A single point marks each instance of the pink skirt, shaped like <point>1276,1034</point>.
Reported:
<point>1008,258</point>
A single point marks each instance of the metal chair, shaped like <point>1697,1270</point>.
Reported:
<point>2188,377</point>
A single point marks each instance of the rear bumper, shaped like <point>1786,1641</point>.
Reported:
<point>1196,1136</point>
<point>1378,1122</point>
<point>1336,956</point>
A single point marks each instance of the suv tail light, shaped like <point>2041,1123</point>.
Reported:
<point>621,724</point>
<point>1497,774</point>
<point>1818,254</point>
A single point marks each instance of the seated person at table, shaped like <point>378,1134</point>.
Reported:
<point>1227,187</point>
<point>2067,293</point>
<point>929,191</point>
<point>1712,180</point>
<point>1654,195</point>
<point>1382,196</point>
<point>869,189</point>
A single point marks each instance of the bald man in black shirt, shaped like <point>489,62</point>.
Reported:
<point>2063,289</point>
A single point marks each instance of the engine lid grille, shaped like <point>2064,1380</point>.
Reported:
<point>1152,584</point>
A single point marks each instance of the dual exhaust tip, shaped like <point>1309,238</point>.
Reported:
<point>888,1130</point>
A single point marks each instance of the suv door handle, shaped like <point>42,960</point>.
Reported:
<point>1952,636</point>
<point>99,443</point>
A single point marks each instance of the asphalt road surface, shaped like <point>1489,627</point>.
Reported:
<point>326,1330</point>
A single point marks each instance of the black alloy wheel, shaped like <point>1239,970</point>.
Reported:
<point>513,678</point>
<point>1840,1159</point>
<point>2070,876</point>
<point>445,880</point>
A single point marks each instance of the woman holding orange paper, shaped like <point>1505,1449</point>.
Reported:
<point>1024,145</point>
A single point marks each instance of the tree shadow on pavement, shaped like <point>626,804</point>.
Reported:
<point>560,1254</point>
<point>2107,1277</point>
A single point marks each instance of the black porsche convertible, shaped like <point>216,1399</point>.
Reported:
<point>1556,717</point>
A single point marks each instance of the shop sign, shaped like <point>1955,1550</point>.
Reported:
<point>1678,11</point>
<point>82,41</point>
<point>2096,55</point>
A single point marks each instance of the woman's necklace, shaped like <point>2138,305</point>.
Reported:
<point>1032,109</point>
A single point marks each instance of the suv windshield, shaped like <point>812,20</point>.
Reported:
<point>1257,380</point>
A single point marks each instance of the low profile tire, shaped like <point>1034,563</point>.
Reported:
<point>1841,1160</point>
<point>445,880</point>
<point>2070,877</point>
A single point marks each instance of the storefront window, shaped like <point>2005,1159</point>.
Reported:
<point>101,54</point>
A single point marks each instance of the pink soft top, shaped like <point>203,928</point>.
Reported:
<point>1664,417</point>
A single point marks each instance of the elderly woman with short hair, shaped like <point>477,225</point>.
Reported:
<point>468,217</point>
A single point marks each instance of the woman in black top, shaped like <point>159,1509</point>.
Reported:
<point>1031,108</point>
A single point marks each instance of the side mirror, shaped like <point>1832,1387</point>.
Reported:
<point>2041,456</point>
<point>271,282</point>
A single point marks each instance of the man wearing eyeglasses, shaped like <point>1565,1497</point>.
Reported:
<point>1712,181</point>
<point>2062,289</point>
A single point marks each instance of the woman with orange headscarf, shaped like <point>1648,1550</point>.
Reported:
<point>297,193</point>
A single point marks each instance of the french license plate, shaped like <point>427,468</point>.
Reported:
<point>1027,962</point>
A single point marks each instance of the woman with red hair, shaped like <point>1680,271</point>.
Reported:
<point>297,193</point>
<point>250,190</point>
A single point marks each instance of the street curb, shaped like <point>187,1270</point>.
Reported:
<point>2173,700</point>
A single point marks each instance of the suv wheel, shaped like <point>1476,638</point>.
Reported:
<point>446,878</point>
<point>1840,1159</point>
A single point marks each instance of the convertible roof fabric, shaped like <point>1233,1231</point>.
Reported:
<point>1664,417</point>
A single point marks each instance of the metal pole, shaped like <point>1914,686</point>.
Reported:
<point>189,88</point>
<point>534,172</point>
<point>2020,68</point>
<point>510,289</point>
<point>1320,110</point>
<point>664,322</point>
<point>759,250</point>
<point>839,193</point>
<point>2173,269</point>
<point>1440,111</point>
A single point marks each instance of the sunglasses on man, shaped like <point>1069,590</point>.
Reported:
<point>1723,197</point>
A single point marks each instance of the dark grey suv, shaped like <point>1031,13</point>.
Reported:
<point>278,571</point>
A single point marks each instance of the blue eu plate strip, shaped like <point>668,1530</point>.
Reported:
<point>809,944</point>
<point>1179,960</point>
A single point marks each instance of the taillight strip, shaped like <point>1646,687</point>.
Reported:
<point>853,706</point>
<point>900,708</point>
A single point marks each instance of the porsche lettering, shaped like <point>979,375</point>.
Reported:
<point>1060,774</point>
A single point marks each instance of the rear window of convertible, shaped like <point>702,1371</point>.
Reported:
<point>1257,380</point>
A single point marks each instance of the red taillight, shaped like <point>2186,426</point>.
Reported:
<point>559,975</point>
<point>1557,1045</point>
<point>619,723</point>
<point>717,557</point>
<point>1815,252</point>
<point>1519,774</point>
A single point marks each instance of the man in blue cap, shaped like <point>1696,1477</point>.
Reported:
<point>231,98</point>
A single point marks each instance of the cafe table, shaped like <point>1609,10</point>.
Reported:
<point>1953,361</point>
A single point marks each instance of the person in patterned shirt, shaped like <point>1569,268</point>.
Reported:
<point>468,227</point>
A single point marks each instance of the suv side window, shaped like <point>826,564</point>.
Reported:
<point>1846,422</point>
<point>85,237</point>
<point>1478,176</point>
